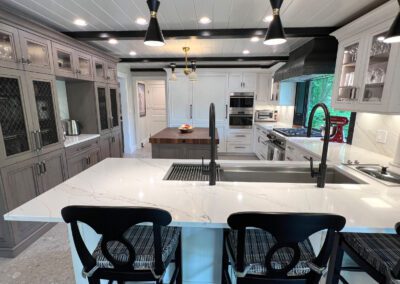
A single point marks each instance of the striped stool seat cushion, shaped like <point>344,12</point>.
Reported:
<point>381,251</point>
<point>259,242</point>
<point>141,238</point>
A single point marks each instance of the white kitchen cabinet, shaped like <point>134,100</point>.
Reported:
<point>264,85</point>
<point>296,153</point>
<point>260,143</point>
<point>180,108</point>
<point>240,140</point>
<point>242,82</point>
<point>366,77</point>
<point>283,93</point>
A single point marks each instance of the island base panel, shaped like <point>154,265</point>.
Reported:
<point>180,151</point>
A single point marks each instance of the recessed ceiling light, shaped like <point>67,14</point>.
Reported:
<point>205,20</point>
<point>255,39</point>
<point>268,19</point>
<point>112,41</point>
<point>381,38</point>
<point>132,53</point>
<point>246,51</point>
<point>141,21</point>
<point>80,22</point>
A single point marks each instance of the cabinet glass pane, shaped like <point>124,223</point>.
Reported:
<point>112,74</point>
<point>114,106</point>
<point>84,66</point>
<point>99,70</point>
<point>12,117</point>
<point>64,60</point>
<point>45,111</point>
<point>101,93</point>
<point>6,47</point>
<point>377,66</point>
<point>37,53</point>
<point>346,83</point>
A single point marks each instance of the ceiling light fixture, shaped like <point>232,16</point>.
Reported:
<point>80,22</point>
<point>205,20</point>
<point>246,51</point>
<point>132,53</point>
<point>268,19</point>
<point>255,39</point>
<point>393,34</point>
<point>141,21</point>
<point>186,70</point>
<point>154,36</point>
<point>112,41</point>
<point>193,75</point>
<point>275,34</point>
<point>173,74</point>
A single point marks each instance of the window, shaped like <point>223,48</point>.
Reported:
<point>321,92</point>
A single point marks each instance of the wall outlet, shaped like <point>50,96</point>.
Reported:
<point>381,136</point>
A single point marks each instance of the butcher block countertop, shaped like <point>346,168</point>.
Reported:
<point>172,135</point>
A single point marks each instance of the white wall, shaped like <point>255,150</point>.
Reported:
<point>367,124</point>
<point>62,99</point>
<point>128,109</point>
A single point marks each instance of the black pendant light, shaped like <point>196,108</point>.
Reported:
<point>393,34</point>
<point>154,36</point>
<point>275,34</point>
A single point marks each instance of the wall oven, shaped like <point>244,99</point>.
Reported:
<point>241,110</point>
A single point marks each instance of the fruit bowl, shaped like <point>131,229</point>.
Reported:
<point>185,128</point>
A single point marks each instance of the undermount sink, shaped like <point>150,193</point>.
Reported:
<point>280,174</point>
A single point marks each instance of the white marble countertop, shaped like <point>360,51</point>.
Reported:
<point>139,182</point>
<point>73,140</point>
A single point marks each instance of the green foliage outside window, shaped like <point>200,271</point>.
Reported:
<point>321,92</point>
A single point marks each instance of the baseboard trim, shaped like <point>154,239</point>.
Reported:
<point>16,250</point>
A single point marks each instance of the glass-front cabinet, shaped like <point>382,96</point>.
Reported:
<point>367,76</point>
<point>102,106</point>
<point>376,70</point>
<point>36,53</point>
<point>114,106</point>
<point>63,60</point>
<point>84,66</point>
<point>100,68</point>
<point>112,73</point>
<point>10,50</point>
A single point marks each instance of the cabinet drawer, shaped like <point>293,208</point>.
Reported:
<point>76,149</point>
<point>238,148</point>
<point>243,138</point>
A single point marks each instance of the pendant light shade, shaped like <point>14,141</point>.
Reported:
<point>275,34</point>
<point>154,36</point>
<point>193,75</point>
<point>173,74</point>
<point>393,34</point>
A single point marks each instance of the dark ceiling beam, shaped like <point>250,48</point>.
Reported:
<point>304,32</point>
<point>202,59</point>
<point>213,66</point>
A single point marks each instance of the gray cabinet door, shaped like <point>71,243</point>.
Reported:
<point>77,164</point>
<point>21,183</point>
<point>55,169</point>
<point>16,138</point>
<point>113,94</point>
<point>45,114</point>
<point>10,56</point>
<point>94,156</point>
<point>116,145</point>
<point>63,60</point>
<point>102,103</point>
<point>105,147</point>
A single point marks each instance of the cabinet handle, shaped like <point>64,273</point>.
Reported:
<point>241,135</point>
<point>307,158</point>
<point>226,111</point>
<point>239,147</point>
<point>35,140</point>
<point>87,161</point>
<point>191,111</point>
<point>44,167</point>
<point>38,169</point>
<point>39,134</point>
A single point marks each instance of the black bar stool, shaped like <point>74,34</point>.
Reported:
<point>376,254</point>
<point>275,247</point>
<point>126,251</point>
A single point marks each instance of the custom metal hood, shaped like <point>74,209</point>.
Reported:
<point>313,59</point>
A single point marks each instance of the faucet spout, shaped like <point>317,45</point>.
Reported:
<point>212,166</point>
<point>321,173</point>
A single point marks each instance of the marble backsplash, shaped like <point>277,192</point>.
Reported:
<point>367,125</point>
<point>285,113</point>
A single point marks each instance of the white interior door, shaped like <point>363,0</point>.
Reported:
<point>156,106</point>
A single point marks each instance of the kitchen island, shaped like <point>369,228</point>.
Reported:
<point>202,210</point>
<point>170,143</point>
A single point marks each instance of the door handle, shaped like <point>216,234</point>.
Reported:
<point>226,111</point>
<point>191,111</point>
<point>44,167</point>
<point>307,158</point>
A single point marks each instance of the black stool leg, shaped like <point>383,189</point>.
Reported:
<point>225,261</point>
<point>178,261</point>
<point>335,263</point>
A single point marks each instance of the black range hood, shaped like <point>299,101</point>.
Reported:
<point>314,59</point>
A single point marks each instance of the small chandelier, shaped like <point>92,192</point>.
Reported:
<point>186,70</point>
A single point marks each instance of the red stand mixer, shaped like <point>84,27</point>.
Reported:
<point>338,123</point>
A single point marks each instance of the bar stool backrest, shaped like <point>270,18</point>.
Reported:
<point>111,223</point>
<point>288,229</point>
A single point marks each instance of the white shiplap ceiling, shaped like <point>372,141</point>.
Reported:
<point>120,15</point>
